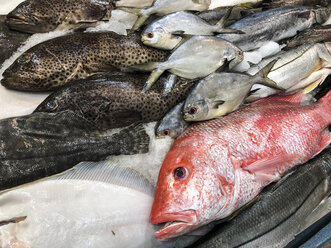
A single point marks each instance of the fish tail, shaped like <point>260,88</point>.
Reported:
<point>220,26</point>
<point>262,77</point>
<point>135,140</point>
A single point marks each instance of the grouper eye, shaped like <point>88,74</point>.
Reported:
<point>180,173</point>
<point>51,105</point>
<point>193,111</point>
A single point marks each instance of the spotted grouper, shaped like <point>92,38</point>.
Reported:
<point>55,62</point>
<point>216,167</point>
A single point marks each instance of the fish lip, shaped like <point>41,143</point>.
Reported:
<point>16,20</point>
<point>174,223</point>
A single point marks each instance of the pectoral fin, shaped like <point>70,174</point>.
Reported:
<point>12,220</point>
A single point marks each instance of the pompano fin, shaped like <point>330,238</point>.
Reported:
<point>155,75</point>
<point>135,11</point>
<point>12,220</point>
<point>107,172</point>
<point>262,77</point>
<point>179,32</point>
<point>220,25</point>
<point>185,37</point>
<point>217,103</point>
<point>146,66</point>
<point>140,21</point>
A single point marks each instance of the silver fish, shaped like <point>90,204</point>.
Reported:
<point>295,69</point>
<point>221,93</point>
<point>274,25</point>
<point>167,32</point>
<point>197,57</point>
<point>134,3</point>
<point>172,124</point>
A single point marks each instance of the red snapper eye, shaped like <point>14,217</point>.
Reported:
<point>180,173</point>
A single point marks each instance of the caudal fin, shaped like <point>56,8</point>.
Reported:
<point>262,77</point>
<point>134,140</point>
<point>220,26</point>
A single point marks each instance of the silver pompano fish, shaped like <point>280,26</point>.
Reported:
<point>280,212</point>
<point>295,69</point>
<point>198,57</point>
<point>89,206</point>
<point>47,144</point>
<point>166,33</point>
<point>134,3</point>
<point>163,7</point>
<point>221,93</point>
<point>41,16</point>
<point>225,3</point>
<point>274,25</point>
<point>172,124</point>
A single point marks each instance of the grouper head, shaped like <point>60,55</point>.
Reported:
<point>322,14</point>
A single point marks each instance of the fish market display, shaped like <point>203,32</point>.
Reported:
<point>115,100</point>
<point>311,35</point>
<point>198,57</point>
<point>281,211</point>
<point>89,206</point>
<point>163,7</point>
<point>221,93</point>
<point>9,40</point>
<point>166,33</point>
<point>53,63</point>
<point>41,16</point>
<point>225,3</point>
<point>295,69</point>
<point>274,25</point>
<point>216,167</point>
<point>172,124</point>
<point>134,3</point>
<point>281,3</point>
<point>42,144</point>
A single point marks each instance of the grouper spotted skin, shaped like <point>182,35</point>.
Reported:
<point>55,62</point>
<point>42,16</point>
<point>42,144</point>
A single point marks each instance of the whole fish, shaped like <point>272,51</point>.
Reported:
<point>134,3</point>
<point>271,4</point>
<point>163,7</point>
<point>42,16</point>
<point>280,212</point>
<point>10,40</point>
<point>197,57</point>
<point>216,167</point>
<point>89,206</point>
<point>221,93</point>
<point>115,100</point>
<point>167,32</point>
<point>311,35</point>
<point>295,69</point>
<point>225,3</point>
<point>53,63</point>
<point>274,25</point>
<point>42,144</point>
<point>172,124</point>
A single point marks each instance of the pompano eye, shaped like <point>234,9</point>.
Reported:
<point>52,105</point>
<point>180,173</point>
<point>150,35</point>
<point>193,111</point>
<point>165,132</point>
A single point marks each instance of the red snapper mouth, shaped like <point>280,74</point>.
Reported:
<point>176,224</point>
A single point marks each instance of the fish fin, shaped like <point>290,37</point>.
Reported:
<point>217,103</point>
<point>178,33</point>
<point>108,172</point>
<point>135,11</point>
<point>152,79</point>
<point>139,22</point>
<point>325,141</point>
<point>185,38</point>
<point>94,12</point>
<point>146,66</point>
<point>12,220</point>
<point>262,76</point>
<point>169,84</point>
<point>220,25</point>
<point>76,72</point>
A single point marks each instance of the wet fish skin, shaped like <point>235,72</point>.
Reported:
<point>271,4</point>
<point>227,3</point>
<point>53,63</point>
<point>134,3</point>
<point>274,25</point>
<point>280,212</point>
<point>216,167</point>
<point>311,35</point>
<point>47,144</point>
<point>115,100</point>
<point>172,124</point>
<point>39,16</point>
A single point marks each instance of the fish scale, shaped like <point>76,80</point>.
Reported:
<point>240,154</point>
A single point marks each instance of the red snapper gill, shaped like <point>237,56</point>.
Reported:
<point>216,167</point>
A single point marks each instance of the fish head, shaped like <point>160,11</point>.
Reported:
<point>167,128</point>
<point>188,193</point>
<point>33,71</point>
<point>160,38</point>
<point>56,102</point>
<point>234,55</point>
<point>196,109</point>
<point>321,14</point>
<point>33,17</point>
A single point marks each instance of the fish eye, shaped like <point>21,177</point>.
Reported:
<point>52,105</point>
<point>24,58</point>
<point>165,132</point>
<point>150,35</point>
<point>193,111</point>
<point>180,173</point>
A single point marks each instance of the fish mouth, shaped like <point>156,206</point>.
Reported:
<point>16,20</point>
<point>176,223</point>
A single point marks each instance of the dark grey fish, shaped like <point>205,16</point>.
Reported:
<point>274,25</point>
<point>311,35</point>
<point>41,16</point>
<point>55,62</point>
<point>9,40</point>
<point>280,211</point>
<point>271,4</point>
<point>172,124</point>
<point>42,144</point>
<point>116,100</point>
